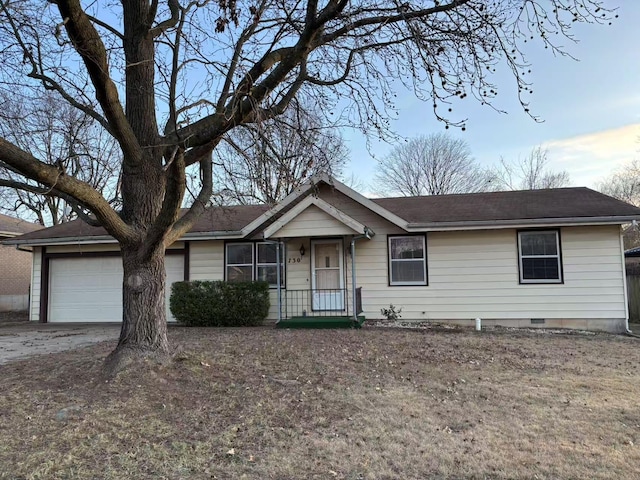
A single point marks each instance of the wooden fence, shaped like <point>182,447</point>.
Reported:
<point>633,290</point>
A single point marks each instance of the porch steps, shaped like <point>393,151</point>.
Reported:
<point>321,322</point>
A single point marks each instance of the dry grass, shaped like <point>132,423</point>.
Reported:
<point>369,404</point>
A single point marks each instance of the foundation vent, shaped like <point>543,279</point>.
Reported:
<point>537,321</point>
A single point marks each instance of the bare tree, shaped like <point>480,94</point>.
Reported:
<point>265,162</point>
<point>529,173</point>
<point>624,183</point>
<point>51,129</point>
<point>172,79</point>
<point>435,164</point>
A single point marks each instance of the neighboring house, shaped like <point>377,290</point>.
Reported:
<point>550,258</point>
<point>15,266</point>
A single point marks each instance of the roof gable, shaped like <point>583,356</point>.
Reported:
<point>308,188</point>
<point>335,222</point>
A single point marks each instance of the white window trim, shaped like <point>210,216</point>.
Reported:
<point>557,256</point>
<point>227,264</point>
<point>254,262</point>
<point>391,260</point>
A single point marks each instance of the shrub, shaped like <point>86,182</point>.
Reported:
<point>219,304</point>
<point>391,313</point>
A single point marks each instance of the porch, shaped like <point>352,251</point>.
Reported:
<point>320,308</point>
<point>319,285</point>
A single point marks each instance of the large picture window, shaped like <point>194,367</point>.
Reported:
<point>407,260</point>
<point>249,261</point>
<point>539,257</point>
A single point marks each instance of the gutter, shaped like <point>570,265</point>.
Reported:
<point>487,224</point>
<point>62,240</point>
<point>109,239</point>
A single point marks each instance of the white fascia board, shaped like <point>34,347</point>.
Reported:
<point>542,222</point>
<point>322,205</point>
<point>63,241</point>
<point>110,239</point>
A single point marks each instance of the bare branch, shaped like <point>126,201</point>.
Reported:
<point>162,27</point>
<point>53,178</point>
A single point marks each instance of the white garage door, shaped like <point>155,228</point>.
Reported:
<point>90,289</point>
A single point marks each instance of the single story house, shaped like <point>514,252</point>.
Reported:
<point>15,266</point>
<point>550,258</point>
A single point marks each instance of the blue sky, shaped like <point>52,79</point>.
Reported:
<point>590,108</point>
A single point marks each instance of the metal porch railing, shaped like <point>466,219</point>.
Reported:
<point>333,302</point>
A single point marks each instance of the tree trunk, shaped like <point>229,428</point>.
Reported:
<point>144,319</point>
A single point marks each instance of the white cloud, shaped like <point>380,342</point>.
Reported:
<point>591,157</point>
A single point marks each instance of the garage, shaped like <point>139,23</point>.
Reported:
<point>90,289</point>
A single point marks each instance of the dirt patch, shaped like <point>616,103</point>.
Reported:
<point>369,404</point>
<point>33,339</point>
<point>13,317</point>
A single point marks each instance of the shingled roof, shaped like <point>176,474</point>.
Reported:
<point>10,226</point>
<point>564,205</point>
<point>215,219</point>
<point>555,203</point>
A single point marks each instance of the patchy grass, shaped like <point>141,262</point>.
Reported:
<point>370,404</point>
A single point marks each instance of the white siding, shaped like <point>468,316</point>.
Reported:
<point>475,274</point>
<point>206,260</point>
<point>98,247</point>
<point>36,270</point>
<point>313,222</point>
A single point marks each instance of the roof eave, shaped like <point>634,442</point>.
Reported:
<point>494,224</point>
<point>109,239</point>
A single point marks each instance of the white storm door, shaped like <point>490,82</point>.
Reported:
<point>327,275</point>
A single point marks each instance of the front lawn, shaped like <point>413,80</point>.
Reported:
<point>375,403</point>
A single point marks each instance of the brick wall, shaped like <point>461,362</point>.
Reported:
<point>15,271</point>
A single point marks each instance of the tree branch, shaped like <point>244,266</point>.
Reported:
<point>184,224</point>
<point>174,8</point>
<point>56,179</point>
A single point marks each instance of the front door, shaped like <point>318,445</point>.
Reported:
<point>327,276</point>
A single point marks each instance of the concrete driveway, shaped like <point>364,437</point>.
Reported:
<point>29,339</point>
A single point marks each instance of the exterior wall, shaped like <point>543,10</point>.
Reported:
<point>98,247</point>
<point>15,279</point>
<point>475,275</point>
<point>36,271</point>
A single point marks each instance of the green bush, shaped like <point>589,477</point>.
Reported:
<point>220,304</point>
